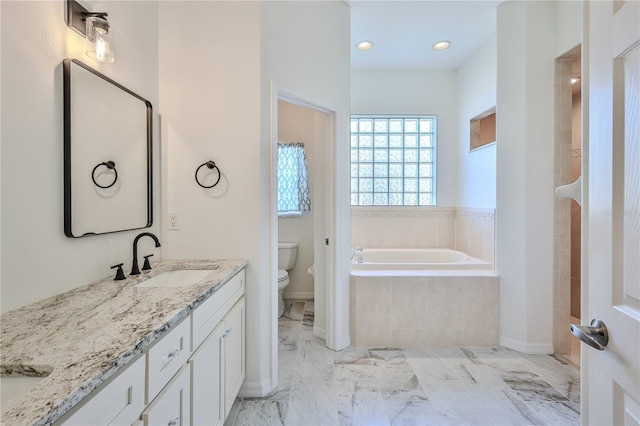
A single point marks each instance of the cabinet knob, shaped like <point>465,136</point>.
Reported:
<point>227,333</point>
<point>173,422</point>
<point>171,356</point>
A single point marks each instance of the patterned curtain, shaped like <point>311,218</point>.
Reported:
<point>293,182</point>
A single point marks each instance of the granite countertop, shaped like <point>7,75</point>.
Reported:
<point>80,338</point>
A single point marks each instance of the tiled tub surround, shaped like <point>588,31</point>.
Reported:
<point>86,335</point>
<point>470,230</point>
<point>402,309</point>
<point>475,233</point>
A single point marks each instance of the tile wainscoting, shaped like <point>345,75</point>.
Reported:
<point>470,230</point>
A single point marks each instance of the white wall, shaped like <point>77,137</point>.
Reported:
<point>210,108</point>
<point>416,92</point>
<point>476,81</point>
<point>217,60</point>
<point>0,169</point>
<point>568,25</point>
<point>38,261</point>
<point>306,53</point>
<point>296,124</point>
<point>527,46</point>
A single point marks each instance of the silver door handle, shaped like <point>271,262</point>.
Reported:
<point>594,335</point>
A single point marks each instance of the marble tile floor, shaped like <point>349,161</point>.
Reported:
<point>416,386</point>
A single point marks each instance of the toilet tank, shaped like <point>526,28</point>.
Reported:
<point>287,253</point>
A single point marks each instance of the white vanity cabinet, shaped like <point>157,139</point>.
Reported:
<point>190,376</point>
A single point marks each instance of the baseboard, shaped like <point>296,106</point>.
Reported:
<point>343,342</point>
<point>524,347</point>
<point>255,390</point>
<point>320,332</point>
<point>297,295</point>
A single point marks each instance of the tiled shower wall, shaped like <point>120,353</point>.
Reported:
<point>466,229</point>
<point>562,207</point>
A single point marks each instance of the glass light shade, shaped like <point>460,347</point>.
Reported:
<point>100,41</point>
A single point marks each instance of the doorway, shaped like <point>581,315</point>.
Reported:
<point>297,124</point>
<point>320,138</point>
<point>567,212</point>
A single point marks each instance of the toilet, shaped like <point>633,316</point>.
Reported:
<point>287,253</point>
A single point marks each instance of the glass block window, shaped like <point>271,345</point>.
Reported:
<point>393,160</point>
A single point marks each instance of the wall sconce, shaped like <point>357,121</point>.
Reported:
<point>94,27</point>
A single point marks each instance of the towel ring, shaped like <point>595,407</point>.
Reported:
<point>109,165</point>
<point>210,165</point>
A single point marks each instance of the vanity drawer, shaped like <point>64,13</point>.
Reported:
<point>206,317</point>
<point>171,407</point>
<point>120,401</point>
<point>166,357</point>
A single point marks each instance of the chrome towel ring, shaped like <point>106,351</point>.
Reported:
<point>110,165</point>
<point>211,166</point>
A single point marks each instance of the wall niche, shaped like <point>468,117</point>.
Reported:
<point>483,129</point>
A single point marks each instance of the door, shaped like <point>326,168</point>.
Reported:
<point>234,347</point>
<point>207,380</point>
<point>611,377</point>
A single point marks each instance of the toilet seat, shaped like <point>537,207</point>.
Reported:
<point>283,279</point>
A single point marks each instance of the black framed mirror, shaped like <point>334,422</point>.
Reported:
<point>107,154</point>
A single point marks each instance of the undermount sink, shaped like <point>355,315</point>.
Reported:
<point>13,387</point>
<point>176,278</point>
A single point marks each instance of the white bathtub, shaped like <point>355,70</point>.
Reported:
<point>416,260</point>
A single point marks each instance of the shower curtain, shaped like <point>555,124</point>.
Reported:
<point>293,180</point>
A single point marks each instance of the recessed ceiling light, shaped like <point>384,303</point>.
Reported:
<point>575,80</point>
<point>364,45</point>
<point>441,45</point>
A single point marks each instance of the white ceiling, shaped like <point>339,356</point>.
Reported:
<point>404,31</point>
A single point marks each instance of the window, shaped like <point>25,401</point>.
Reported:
<point>393,160</point>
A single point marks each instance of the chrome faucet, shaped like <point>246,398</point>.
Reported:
<point>135,270</point>
<point>357,253</point>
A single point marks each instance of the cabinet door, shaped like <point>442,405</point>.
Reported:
<point>171,407</point>
<point>207,403</point>
<point>120,402</point>
<point>234,325</point>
